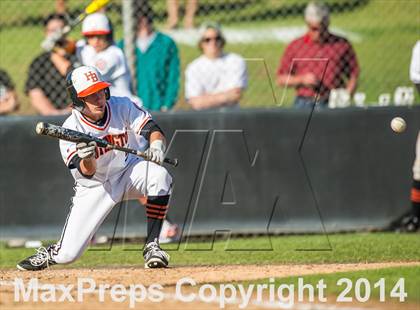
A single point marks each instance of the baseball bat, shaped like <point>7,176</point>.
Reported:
<point>93,7</point>
<point>62,133</point>
<point>49,43</point>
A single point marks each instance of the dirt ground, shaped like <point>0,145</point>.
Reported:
<point>168,279</point>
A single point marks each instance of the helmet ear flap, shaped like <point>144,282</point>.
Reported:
<point>72,93</point>
<point>107,93</point>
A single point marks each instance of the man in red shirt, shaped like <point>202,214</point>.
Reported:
<point>318,62</point>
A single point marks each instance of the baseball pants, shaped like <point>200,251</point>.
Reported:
<point>91,205</point>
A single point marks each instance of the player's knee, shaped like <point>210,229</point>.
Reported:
<point>160,182</point>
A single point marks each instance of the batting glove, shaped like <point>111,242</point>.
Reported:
<point>156,152</point>
<point>86,150</point>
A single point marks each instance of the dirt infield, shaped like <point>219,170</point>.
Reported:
<point>167,278</point>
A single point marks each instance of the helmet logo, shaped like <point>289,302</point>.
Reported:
<point>91,76</point>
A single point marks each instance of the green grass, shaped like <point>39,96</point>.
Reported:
<point>346,248</point>
<point>389,30</point>
<point>391,276</point>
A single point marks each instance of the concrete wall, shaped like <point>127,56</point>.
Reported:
<point>239,172</point>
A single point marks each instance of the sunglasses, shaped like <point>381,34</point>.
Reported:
<point>209,39</point>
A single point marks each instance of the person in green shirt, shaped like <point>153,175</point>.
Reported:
<point>157,66</point>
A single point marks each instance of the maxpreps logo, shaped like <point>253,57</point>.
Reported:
<point>119,140</point>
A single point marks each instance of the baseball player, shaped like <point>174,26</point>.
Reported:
<point>413,223</point>
<point>105,177</point>
<point>97,49</point>
<point>410,221</point>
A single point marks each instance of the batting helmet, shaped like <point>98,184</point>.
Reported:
<point>96,24</point>
<point>84,81</point>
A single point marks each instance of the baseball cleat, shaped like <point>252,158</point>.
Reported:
<point>154,256</point>
<point>408,222</point>
<point>39,261</point>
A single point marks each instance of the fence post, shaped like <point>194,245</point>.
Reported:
<point>129,26</point>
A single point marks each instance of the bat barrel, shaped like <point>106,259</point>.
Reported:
<point>41,128</point>
<point>171,161</point>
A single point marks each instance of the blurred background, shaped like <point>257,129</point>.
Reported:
<point>382,34</point>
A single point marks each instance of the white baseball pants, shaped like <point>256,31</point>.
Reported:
<point>90,206</point>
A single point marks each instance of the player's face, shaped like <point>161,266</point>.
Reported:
<point>98,42</point>
<point>95,105</point>
<point>211,43</point>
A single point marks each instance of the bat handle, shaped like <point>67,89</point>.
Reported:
<point>172,162</point>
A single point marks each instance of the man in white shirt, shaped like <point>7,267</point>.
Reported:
<point>215,80</point>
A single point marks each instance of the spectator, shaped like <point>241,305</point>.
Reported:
<point>46,83</point>
<point>215,80</point>
<point>173,9</point>
<point>157,65</point>
<point>60,6</point>
<point>97,49</point>
<point>415,66</point>
<point>332,61</point>
<point>8,97</point>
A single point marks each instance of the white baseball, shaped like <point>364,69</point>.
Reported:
<point>398,124</point>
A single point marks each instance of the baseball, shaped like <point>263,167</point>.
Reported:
<point>398,124</point>
<point>39,128</point>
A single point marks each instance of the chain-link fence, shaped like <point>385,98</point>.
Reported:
<point>280,51</point>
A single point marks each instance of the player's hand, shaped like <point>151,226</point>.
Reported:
<point>86,150</point>
<point>156,152</point>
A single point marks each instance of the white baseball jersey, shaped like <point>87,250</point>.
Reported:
<point>124,121</point>
<point>111,64</point>
<point>210,76</point>
<point>117,178</point>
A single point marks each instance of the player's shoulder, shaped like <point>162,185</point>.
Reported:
<point>123,107</point>
<point>123,103</point>
<point>117,100</point>
<point>115,50</point>
<point>71,121</point>
<point>113,54</point>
